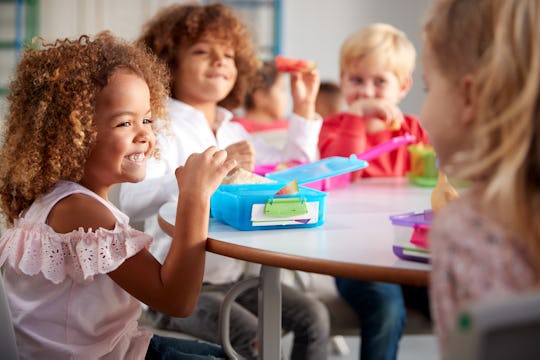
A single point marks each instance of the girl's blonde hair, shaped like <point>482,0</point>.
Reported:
<point>380,44</point>
<point>498,43</point>
<point>49,129</point>
<point>182,25</point>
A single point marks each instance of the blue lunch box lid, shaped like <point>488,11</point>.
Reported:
<point>318,170</point>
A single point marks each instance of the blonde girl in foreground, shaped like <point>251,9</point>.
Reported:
<point>81,120</point>
<point>482,75</point>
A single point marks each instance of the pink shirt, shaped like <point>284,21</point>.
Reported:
<point>473,259</point>
<point>255,126</point>
<point>63,303</point>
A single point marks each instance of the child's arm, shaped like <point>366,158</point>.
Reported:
<point>304,88</point>
<point>173,287</point>
<point>379,114</point>
<point>342,135</point>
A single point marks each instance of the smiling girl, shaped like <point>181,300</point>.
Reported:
<point>81,119</point>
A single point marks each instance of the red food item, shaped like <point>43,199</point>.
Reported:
<point>285,64</point>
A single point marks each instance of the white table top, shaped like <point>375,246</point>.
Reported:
<point>355,240</point>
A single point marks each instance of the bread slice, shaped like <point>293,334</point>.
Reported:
<point>242,176</point>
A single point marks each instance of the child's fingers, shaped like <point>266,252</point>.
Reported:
<point>219,156</point>
<point>247,165</point>
<point>179,170</point>
<point>242,147</point>
<point>221,159</point>
<point>312,75</point>
<point>211,151</point>
<point>295,76</point>
<point>245,161</point>
<point>229,165</point>
<point>394,121</point>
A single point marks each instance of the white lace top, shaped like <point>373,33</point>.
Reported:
<point>63,303</point>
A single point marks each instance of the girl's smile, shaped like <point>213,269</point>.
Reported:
<point>140,157</point>
<point>125,136</point>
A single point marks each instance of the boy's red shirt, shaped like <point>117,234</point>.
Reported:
<point>344,134</point>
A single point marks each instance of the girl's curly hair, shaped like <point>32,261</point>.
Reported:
<point>49,130</point>
<point>178,25</point>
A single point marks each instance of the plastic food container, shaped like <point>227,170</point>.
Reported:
<point>410,235</point>
<point>423,165</point>
<point>257,207</point>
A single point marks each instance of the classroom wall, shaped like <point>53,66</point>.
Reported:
<point>312,29</point>
<point>315,29</point>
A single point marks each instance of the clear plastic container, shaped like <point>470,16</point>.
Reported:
<point>411,235</point>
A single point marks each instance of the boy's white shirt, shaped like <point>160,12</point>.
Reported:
<point>190,133</point>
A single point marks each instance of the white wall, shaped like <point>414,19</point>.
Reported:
<point>315,29</point>
<point>312,29</point>
<point>71,18</point>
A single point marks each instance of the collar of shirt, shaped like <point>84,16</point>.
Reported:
<point>190,113</point>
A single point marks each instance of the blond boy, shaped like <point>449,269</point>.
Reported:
<point>376,64</point>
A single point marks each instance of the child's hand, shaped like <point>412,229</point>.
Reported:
<point>379,114</point>
<point>244,154</point>
<point>203,173</point>
<point>304,89</point>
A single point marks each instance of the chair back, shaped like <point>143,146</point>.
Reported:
<point>7,335</point>
<point>499,329</point>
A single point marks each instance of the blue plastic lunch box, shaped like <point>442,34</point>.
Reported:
<point>257,207</point>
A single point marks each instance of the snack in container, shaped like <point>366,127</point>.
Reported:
<point>242,176</point>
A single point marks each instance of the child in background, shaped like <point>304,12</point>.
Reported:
<point>265,105</point>
<point>266,101</point>
<point>211,59</point>
<point>481,71</point>
<point>376,65</point>
<point>330,100</point>
<point>80,120</point>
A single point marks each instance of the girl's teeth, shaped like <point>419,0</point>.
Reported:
<point>136,157</point>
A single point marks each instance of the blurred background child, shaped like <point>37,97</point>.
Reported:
<point>265,106</point>
<point>376,65</point>
<point>481,72</point>
<point>330,100</point>
<point>266,101</point>
<point>81,120</point>
<point>211,59</point>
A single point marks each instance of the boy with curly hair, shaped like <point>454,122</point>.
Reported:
<point>211,59</point>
